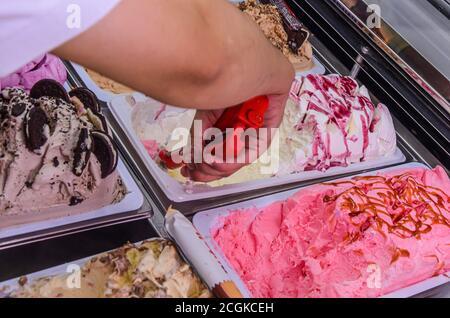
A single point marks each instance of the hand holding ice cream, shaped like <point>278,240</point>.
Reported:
<point>255,141</point>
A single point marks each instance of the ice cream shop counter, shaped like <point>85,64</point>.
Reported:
<point>351,199</point>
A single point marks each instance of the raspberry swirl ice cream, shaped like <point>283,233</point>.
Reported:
<point>363,237</point>
<point>340,123</point>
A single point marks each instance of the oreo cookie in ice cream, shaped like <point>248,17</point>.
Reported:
<point>82,152</point>
<point>49,88</point>
<point>37,129</point>
<point>87,97</point>
<point>105,151</point>
<point>98,120</point>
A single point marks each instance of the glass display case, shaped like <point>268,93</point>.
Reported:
<point>400,50</point>
<point>415,34</point>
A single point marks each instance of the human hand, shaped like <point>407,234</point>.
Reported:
<point>211,171</point>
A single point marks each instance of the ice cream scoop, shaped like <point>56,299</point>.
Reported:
<point>239,118</point>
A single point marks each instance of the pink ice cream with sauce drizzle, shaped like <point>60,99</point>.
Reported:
<point>363,237</point>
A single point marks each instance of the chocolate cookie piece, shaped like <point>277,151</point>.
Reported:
<point>296,38</point>
<point>87,97</point>
<point>105,151</point>
<point>82,152</point>
<point>4,112</point>
<point>75,201</point>
<point>295,30</point>
<point>98,120</point>
<point>36,128</point>
<point>49,88</point>
<point>18,109</point>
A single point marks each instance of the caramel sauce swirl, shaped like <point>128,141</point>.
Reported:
<point>399,205</point>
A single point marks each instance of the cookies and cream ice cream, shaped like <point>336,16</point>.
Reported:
<point>108,84</point>
<point>56,155</point>
<point>363,237</point>
<point>46,66</point>
<point>269,19</point>
<point>152,269</point>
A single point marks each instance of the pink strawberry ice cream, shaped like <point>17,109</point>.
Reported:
<point>44,67</point>
<point>363,237</point>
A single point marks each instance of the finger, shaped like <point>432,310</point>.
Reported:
<point>208,117</point>
<point>275,113</point>
<point>185,172</point>
<point>204,169</point>
<point>207,120</point>
<point>199,176</point>
<point>226,169</point>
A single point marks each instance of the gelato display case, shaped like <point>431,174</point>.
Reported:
<point>370,107</point>
<point>419,46</point>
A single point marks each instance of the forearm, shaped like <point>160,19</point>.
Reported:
<point>173,50</point>
<point>252,65</point>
